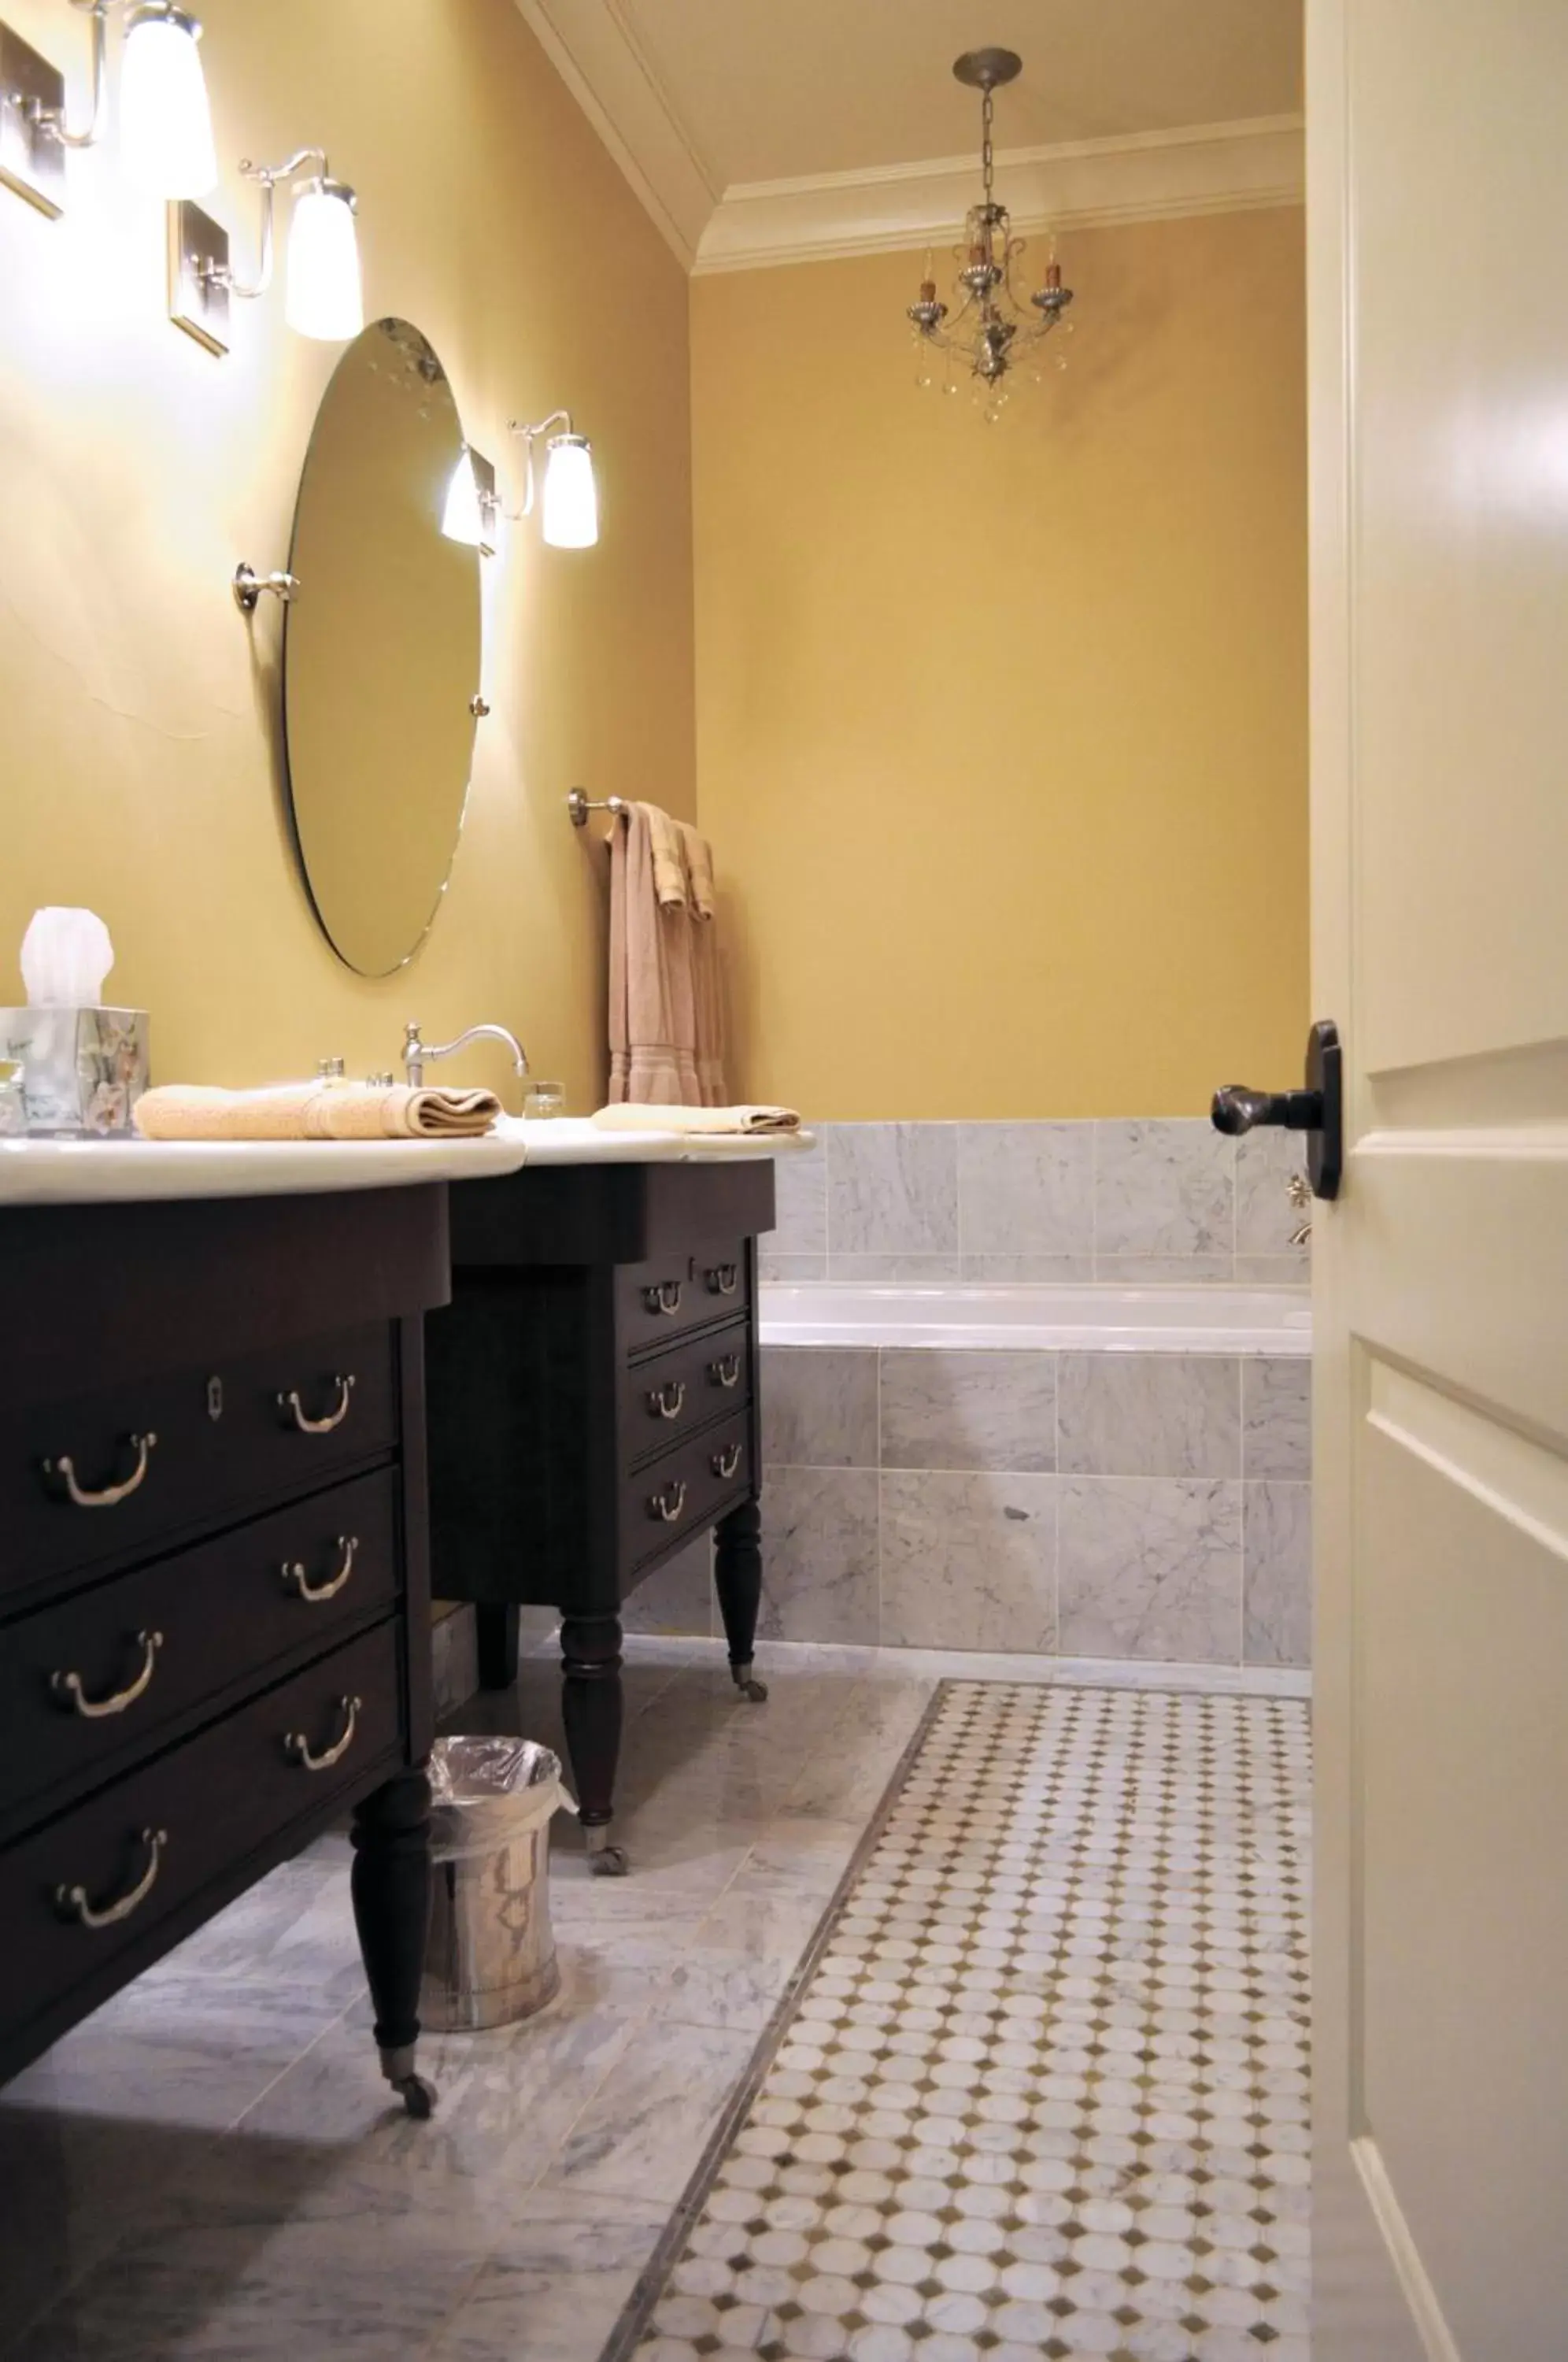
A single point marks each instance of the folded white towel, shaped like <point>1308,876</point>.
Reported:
<point>643,1116</point>
<point>314,1110</point>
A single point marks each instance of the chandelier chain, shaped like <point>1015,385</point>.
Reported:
<point>988,110</point>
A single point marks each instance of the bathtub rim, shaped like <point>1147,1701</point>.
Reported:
<point>1077,1316</point>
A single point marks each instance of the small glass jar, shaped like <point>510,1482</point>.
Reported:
<point>13,1107</point>
<point>541,1099</point>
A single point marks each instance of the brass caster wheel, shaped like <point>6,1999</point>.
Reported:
<point>609,1862</point>
<point>750,1688</point>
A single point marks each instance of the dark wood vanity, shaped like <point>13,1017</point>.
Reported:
<point>213,1582</point>
<point>593,1409</point>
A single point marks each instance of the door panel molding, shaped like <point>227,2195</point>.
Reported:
<point>1522,1482</point>
<point>1415,2287</point>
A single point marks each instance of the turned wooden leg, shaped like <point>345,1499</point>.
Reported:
<point>495,1634</point>
<point>391,1886</point>
<point>590,1709</point>
<point>737,1579</point>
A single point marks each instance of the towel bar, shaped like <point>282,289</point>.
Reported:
<point>579,805</point>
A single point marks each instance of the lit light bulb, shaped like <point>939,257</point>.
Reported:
<point>462,520</point>
<point>325,298</point>
<point>166,126</point>
<point>570,508</point>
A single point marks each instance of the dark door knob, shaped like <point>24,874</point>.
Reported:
<point>1318,1110</point>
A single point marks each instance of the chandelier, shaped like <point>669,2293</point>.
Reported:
<point>991,328</point>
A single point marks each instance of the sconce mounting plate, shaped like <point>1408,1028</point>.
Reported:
<point>198,298</point>
<point>32,160</point>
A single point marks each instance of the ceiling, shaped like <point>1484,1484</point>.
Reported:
<point>702,100</point>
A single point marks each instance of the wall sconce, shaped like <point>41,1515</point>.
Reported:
<point>472,513</point>
<point>323,295</point>
<point>166,131</point>
<point>568,509</point>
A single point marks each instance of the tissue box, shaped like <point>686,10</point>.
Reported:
<point>83,1070</point>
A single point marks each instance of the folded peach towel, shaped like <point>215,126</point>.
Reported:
<point>743,1119</point>
<point>313,1110</point>
<point>665,835</point>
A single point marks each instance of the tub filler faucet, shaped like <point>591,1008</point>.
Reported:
<point>415,1051</point>
<point>1299,1189</point>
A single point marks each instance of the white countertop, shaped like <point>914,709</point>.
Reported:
<point>101,1172</point>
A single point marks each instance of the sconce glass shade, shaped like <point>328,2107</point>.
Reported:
<point>166,125</point>
<point>569,507</point>
<point>325,297</point>
<point>461,520</point>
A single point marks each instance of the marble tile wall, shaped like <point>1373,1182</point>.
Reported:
<point>1139,1506</point>
<point>1163,1198</point>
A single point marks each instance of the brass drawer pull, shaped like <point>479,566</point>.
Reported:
<point>62,1475</point>
<point>724,1464</point>
<point>68,1689</point>
<point>72,1900</point>
<point>726,1373</point>
<point>296,1746</point>
<point>296,1580</point>
<point>295,1412</point>
<point>723,1278</point>
<point>668,1504</point>
<point>665,1298</point>
<point>668,1400</point>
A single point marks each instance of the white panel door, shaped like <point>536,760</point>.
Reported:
<point>1438,245</point>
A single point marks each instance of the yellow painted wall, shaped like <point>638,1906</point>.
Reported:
<point>139,769</point>
<point>1002,731</point>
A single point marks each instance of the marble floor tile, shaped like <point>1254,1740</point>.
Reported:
<point>1277,1415</point>
<point>818,1407</point>
<point>968,1561</point>
<point>1150,1567</point>
<point>1166,1187</point>
<point>956,1410</point>
<point>1149,1415</point>
<point>819,1554</point>
<point>1026,1188</point>
<point>1277,1578</point>
<point>892,1188</point>
<point>648,2125</point>
<point>554,2292</point>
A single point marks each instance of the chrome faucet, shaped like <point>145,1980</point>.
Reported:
<point>1299,1189</point>
<point>415,1051</point>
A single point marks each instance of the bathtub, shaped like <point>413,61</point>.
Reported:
<point>1102,1471</point>
<point>1105,1319</point>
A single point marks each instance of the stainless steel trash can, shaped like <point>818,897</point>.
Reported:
<point>490,1956</point>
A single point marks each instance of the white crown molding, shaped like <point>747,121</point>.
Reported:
<point>1085,183</point>
<point>592,47</point>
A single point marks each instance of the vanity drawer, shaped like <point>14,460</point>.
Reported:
<point>659,1301</point>
<point>665,1396</point>
<point>95,1681</point>
<point>86,1482</point>
<point>137,1852</point>
<point>686,1490</point>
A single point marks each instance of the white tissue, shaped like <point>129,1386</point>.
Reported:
<point>66,955</point>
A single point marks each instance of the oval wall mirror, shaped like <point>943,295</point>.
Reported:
<point>382,647</point>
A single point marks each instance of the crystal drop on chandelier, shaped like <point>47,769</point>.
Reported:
<point>991,326</point>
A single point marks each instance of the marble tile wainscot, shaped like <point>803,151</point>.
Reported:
<point>1137,1199</point>
<point>1152,1506</point>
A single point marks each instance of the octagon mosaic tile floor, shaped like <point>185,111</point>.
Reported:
<point>1045,2090</point>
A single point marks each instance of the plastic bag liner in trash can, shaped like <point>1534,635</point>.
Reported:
<point>490,1956</point>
